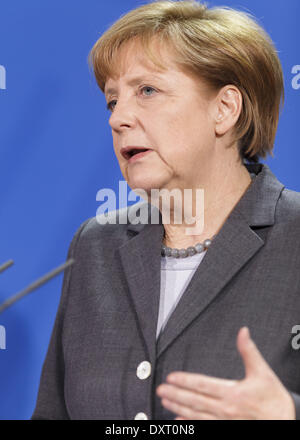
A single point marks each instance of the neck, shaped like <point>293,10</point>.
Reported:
<point>219,197</point>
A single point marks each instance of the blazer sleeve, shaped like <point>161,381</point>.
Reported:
<point>50,404</point>
<point>296,400</point>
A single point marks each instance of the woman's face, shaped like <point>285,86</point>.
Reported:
<point>169,112</point>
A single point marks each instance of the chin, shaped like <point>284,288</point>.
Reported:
<point>144,183</point>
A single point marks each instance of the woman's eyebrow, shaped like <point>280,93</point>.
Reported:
<point>134,81</point>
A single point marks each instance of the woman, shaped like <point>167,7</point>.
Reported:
<point>154,321</point>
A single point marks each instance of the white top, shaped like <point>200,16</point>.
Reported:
<point>176,274</point>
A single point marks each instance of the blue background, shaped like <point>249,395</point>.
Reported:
<point>56,153</point>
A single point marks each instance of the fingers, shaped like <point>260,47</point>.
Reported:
<point>200,383</point>
<point>254,362</point>
<point>193,396</point>
<point>186,413</point>
<point>188,401</point>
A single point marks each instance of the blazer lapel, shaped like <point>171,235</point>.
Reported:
<point>235,244</point>
<point>231,249</point>
<point>140,257</point>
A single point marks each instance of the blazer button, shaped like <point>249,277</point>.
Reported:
<point>141,416</point>
<point>143,370</point>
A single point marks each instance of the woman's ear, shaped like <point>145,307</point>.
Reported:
<point>229,106</point>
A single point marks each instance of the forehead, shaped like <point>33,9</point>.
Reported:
<point>132,60</point>
<point>132,63</point>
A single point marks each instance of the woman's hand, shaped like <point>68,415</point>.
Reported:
<point>260,395</point>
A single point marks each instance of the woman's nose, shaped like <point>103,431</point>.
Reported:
<point>123,116</point>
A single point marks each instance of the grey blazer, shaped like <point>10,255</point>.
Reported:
<point>107,316</point>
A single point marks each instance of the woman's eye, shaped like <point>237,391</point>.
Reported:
<point>109,105</point>
<point>148,91</point>
<point>148,88</point>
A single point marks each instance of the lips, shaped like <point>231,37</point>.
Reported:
<point>129,152</point>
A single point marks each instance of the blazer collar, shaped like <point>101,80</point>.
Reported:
<point>237,242</point>
<point>258,204</point>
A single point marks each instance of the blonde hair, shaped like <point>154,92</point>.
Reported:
<point>222,46</point>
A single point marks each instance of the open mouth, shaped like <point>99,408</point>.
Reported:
<point>128,153</point>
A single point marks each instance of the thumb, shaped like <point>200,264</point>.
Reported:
<point>254,362</point>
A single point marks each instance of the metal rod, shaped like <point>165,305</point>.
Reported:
<point>6,265</point>
<point>35,284</point>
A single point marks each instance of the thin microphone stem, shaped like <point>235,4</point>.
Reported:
<point>6,265</point>
<point>35,284</point>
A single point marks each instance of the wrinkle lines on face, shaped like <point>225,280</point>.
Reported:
<point>174,122</point>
